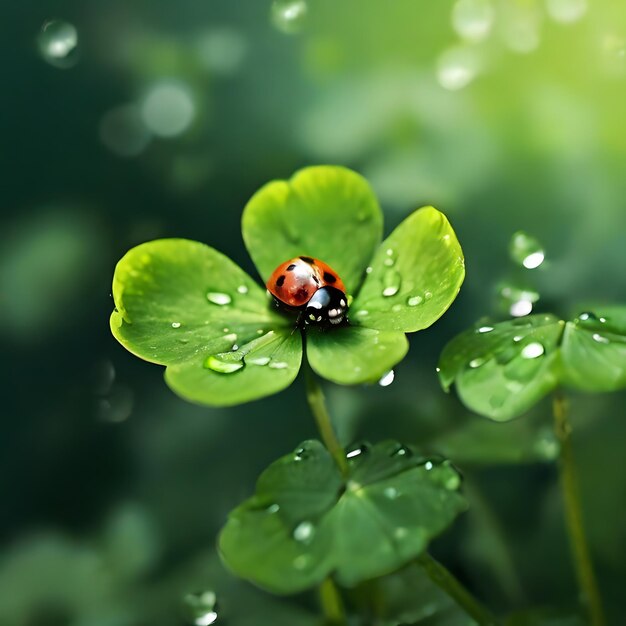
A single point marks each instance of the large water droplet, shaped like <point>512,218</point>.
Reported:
<point>532,350</point>
<point>289,16</point>
<point>58,41</point>
<point>516,301</point>
<point>391,283</point>
<point>473,19</point>
<point>200,609</point>
<point>566,11</point>
<point>304,532</point>
<point>526,250</point>
<point>387,379</point>
<point>218,298</point>
<point>457,68</point>
<point>222,364</point>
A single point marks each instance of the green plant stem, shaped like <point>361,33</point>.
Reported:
<point>448,583</point>
<point>573,514</point>
<point>332,605</point>
<point>315,398</point>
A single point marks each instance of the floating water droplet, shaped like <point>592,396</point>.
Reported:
<point>414,300</point>
<point>103,377</point>
<point>218,298</point>
<point>391,283</point>
<point>566,11</point>
<point>472,19</point>
<point>599,338</point>
<point>200,609</point>
<point>391,493</point>
<point>362,449</point>
<point>243,289</point>
<point>484,329</point>
<point>532,350</point>
<point>176,324</point>
<point>526,250</point>
<point>168,108</point>
<point>117,405</point>
<point>221,364</point>
<point>387,379</point>
<point>521,308</point>
<point>474,363</point>
<point>289,16</point>
<point>259,360</point>
<point>304,532</point>
<point>457,68</point>
<point>278,365</point>
<point>57,42</point>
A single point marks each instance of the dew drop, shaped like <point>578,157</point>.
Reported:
<point>289,16</point>
<point>473,19</point>
<point>362,313</point>
<point>400,532</point>
<point>457,68</point>
<point>391,283</point>
<point>57,42</point>
<point>428,295</point>
<point>396,308</point>
<point>176,324</point>
<point>368,269</point>
<point>532,350</point>
<point>304,532</point>
<point>517,338</point>
<point>599,338</point>
<point>387,379</point>
<point>242,289</point>
<point>260,331</point>
<point>200,609</point>
<point>402,450</point>
<point>389,262</point>
<point>218,363</point>
<point>587,316</point>
<point>302,561</point>
<point>428,466</point>
<point>272,508</point>
<point>218,298</point>
<point>414,300</point>
<point>484,329</point>
<point>301,454</point>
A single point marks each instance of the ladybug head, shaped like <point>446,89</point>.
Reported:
<point>328,305</point>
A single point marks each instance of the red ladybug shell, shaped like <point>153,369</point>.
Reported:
<point>294,282</point>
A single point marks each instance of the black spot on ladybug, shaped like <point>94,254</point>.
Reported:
<point>329,278</point>
<point>280,281</point>
<point>308,259</point>
<point>291,267</point>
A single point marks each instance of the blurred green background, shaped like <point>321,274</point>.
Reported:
<point>122,122</point>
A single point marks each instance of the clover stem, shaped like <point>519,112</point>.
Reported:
<point>573,513</point>
<point>332,605</point>
<point>444,579</point>
<point>315,398</point>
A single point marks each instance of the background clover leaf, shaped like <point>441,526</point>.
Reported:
<point>352,355</point>
<point>327,212</point>
<point>415,276</point>
<point>182,304</point>
<point>305,522</point>
<point>502,370</point>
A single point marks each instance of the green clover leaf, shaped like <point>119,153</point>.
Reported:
<point>184,305</point>
<point>501,370</point>
<point>306,521</point>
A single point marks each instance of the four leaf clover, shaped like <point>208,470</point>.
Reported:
<point>183,304</point>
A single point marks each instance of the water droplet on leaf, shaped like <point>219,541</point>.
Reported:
<point>474,363</point>
<point>532,350</point>
<point>242,289</point>
<point>218,298</point>
<point>484,329</point>
<point>391,493</point>
<point>391,283</point>
<point>387,379</point>
<point>278,365</point>
<point>414,300</point>
<point>259,360</point>
<point>362,449</point>
<point>599,338</point>
<point>304,532</point>
<point>176,324</point>
<point>221,364</point>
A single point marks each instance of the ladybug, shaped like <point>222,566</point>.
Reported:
<point>311,287</point>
